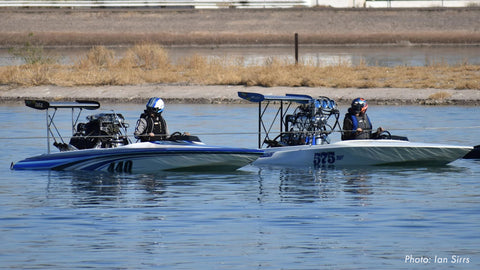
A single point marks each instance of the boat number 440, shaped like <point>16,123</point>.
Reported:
<point>121,166</point>
<point>325,158</point>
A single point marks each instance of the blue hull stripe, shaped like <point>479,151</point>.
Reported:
<point>64,160</point>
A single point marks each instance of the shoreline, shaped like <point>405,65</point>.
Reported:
<point>237,27</point>
<point>227,94</point>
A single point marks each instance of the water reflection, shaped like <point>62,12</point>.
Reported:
<point>357,186</point>
<point>304,185</point>
<point>299,186</point>
<point>94,191</point>
<point>99,188</point>
<point>104,189</point>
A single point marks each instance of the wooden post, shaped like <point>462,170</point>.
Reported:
<point>296,48</point>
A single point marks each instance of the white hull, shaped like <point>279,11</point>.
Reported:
<point>362,153</point>
<point>145,157</point>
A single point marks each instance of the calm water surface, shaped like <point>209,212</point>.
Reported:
<point>365,218</point>
<point>316,55</point>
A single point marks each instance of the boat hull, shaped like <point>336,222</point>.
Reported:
<point>145,157</point>
<point>474,154</point>
<point>363,153</point>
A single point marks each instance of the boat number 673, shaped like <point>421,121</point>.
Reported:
<point>323,158</point>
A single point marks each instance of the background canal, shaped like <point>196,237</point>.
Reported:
<point>316,55</point>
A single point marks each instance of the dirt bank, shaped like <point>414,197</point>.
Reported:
<point>228,94</point>
<point>71,27</point>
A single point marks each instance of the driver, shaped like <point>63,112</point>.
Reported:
<point>151,126</point>
<point>357,125</point>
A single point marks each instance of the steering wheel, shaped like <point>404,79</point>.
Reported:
<point>174,135</point>
<point>384,135</point>
<point>272,143</point>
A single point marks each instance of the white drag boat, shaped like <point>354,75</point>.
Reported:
<point>363,153</point>
<point>107,148</point>
<point>301,138</point>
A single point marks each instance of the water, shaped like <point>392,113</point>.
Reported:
<point>316,55</point>
<point>365,218</point>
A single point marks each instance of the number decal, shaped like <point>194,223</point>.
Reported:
<point>323,158</point>
<point>128,166</point>
<point>121,166</point>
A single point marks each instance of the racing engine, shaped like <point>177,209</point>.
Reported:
<point>309,123</point>
<point>104,130</point>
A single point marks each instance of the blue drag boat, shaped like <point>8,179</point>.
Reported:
<point>102,144</point>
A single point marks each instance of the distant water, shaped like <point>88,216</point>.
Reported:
<point>364,218</point>
<point>316,55</point>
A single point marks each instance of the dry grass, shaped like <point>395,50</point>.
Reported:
<point>150,63</point>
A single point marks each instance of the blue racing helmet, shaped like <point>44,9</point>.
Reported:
<point>359,105</point>
<point>155,104</point>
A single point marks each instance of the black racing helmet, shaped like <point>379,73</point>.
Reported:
<point>359,105</point>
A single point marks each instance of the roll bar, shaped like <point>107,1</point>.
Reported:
<point>78,104</point>
<point>46,105</point>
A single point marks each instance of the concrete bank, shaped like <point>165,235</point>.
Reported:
<point>228,94</point>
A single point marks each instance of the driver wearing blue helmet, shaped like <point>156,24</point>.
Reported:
<point>151,126</point>
<point>357,125</point>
